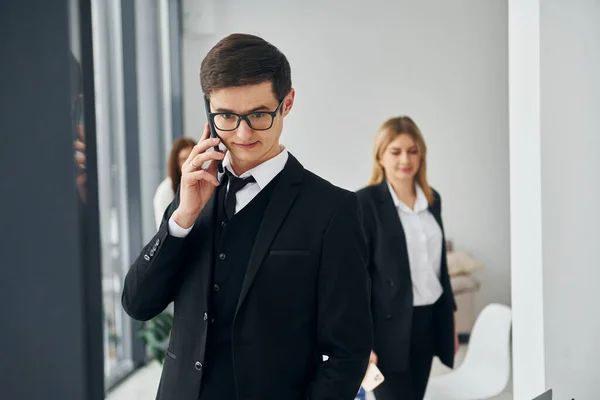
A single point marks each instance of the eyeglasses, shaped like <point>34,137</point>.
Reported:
<point>258,120</point>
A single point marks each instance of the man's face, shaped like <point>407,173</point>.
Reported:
<point>250,147</point>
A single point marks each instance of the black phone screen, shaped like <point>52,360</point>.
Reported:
<point>213,133</point>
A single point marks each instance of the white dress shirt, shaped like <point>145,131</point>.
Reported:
<point>424,244</point>
<point>263,174</point>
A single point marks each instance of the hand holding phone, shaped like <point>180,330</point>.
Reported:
<point>197,183</point>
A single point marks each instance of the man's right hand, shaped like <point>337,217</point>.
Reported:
<point>197,184</point>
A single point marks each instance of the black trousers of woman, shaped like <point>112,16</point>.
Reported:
<point>411,384</point>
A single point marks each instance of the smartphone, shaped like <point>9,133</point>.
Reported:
<point>373,378</point>
<point>213,133</point>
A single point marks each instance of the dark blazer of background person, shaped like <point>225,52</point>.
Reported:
<point>305,290</point>
<point>402,349</point>
<point>391,286</point>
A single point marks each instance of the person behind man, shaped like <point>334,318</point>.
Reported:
<point>180,150</point>
<point>412,302</point>
<point>265,263</point>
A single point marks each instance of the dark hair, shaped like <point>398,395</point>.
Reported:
<point>241,59</point>
<point>174,170</point>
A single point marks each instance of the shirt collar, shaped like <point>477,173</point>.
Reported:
<point>262,173</point>
<point>421,203</point>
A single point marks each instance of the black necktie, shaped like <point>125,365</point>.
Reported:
<point>235,185</point>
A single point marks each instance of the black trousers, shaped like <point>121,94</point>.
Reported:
<point>411,384</point>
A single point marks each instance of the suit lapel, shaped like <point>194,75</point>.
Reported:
<point>203,245</point>
<point>283,196</point>
<point>435,211</point>
<point>437,214</point>
<point>391,224</point>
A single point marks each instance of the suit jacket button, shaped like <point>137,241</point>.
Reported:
<point>146,257</point>
<point>222,256</point>
<point>198,365</point>
<point>216,287</point>
<point>391,283</point>
<point>205,316</point>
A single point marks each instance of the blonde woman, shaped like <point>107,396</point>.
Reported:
<point>412,302</point>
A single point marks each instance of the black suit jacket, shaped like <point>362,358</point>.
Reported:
<point>392,295</point>
<point>306,294</point>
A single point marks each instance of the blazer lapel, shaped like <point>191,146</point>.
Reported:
<point>435,211</point>
<point>283,196</point>
<point>203,245</point>
<point>391,224</point>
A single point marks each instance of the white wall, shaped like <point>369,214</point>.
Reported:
<point>570,122</point>
<point>356,64</point>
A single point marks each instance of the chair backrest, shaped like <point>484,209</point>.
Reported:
<point>488,352</point>
<point>545,396</point>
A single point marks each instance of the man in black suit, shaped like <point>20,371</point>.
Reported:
<point>265,262</point>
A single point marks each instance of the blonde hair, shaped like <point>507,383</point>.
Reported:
<point>389,131</point>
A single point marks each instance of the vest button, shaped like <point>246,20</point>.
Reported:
<point>198,365</point>
<point>222,256</point>
<point>216,288</point>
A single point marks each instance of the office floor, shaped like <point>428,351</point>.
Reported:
<point>142,385</point>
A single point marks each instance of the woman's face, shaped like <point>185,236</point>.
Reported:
<point>182,156</point>
<point>401,159</point>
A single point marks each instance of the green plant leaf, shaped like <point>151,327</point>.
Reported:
<point>155,334</point>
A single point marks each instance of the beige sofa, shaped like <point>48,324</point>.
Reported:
<point>465,285</point>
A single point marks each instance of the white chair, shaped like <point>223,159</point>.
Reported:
<point>485,371</point>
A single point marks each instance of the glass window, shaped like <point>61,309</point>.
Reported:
<point>112,184</point>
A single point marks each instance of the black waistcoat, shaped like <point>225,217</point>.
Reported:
<point>234,240</point>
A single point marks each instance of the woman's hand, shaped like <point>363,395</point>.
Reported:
<point>373,359</point>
